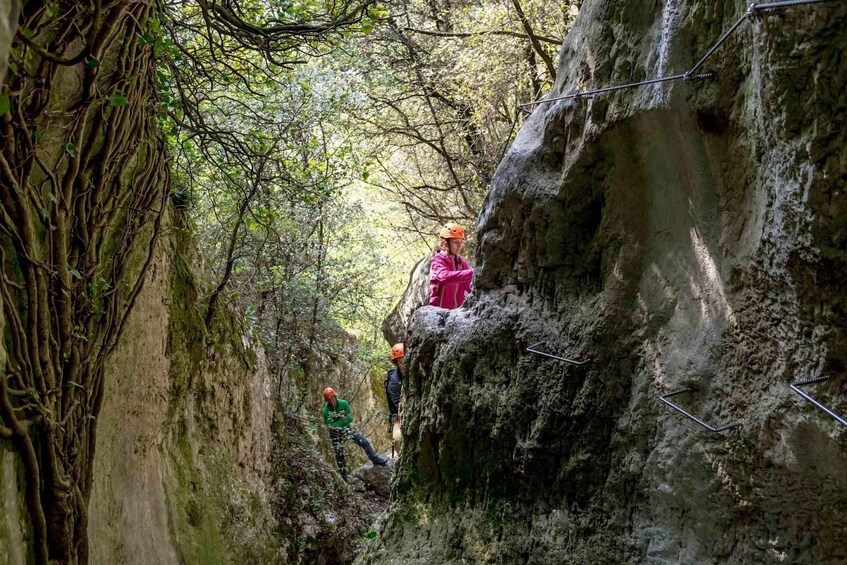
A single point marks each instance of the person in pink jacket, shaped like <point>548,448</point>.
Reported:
<point>449,275</point>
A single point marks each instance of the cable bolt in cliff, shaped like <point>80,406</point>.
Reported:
<point>664,398</point>
<point>796,388</point>
<point>691,74</point>
<point>532,349</point>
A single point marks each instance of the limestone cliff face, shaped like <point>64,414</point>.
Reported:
<point>192,466</point>
<point>416,295</point>
<point>184,436</point>
<point>677,235</point>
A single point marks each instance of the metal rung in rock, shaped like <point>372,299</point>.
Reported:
<point>532,349</point>
<point>796,388</point>
<point>664,398</point>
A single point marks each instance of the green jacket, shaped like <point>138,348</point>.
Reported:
<point>340,417</point>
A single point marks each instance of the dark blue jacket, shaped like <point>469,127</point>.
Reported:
<point>393,388</point>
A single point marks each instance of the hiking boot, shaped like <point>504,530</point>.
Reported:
<point>381,461</point>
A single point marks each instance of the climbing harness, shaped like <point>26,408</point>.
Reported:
<point>691,74</point>
<point>664,398</point>
<point>532,349</point>
<point>796,388</point>
<point>346,434</point>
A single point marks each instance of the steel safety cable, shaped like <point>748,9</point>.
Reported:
<point>717,44</point>
<point>784,3</point>
<point>691,74</point>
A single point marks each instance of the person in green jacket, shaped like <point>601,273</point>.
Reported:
<point>338,417</point>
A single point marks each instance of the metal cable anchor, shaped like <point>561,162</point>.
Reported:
<point>664,398</point>
<point>531,349</point>
<point>796,388</point>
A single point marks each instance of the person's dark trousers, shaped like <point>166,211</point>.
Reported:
<point>363,442</point>
<point>337,436</point>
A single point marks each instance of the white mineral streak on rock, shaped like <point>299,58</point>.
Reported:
<point>667,32</point>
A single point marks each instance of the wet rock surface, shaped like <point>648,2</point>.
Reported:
<point>686,235</point>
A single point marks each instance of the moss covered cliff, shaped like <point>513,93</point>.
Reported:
<point>677,235</point>
<point>194,464</point>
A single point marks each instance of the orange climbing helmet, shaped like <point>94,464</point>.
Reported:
<point>397,351</point>
<point>329,392</point>
<point>452,231</point>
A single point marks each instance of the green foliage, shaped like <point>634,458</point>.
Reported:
<point>118,99</point>
<point>314,188</point>
<point>433,96</point>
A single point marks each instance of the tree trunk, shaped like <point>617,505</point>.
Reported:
<point>85,186</point>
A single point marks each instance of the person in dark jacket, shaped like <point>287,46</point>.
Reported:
<point>393,391</point>
<point>394,380</point>
<point>338,416</point>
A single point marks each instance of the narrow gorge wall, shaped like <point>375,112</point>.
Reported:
<point>192,465</point>
<point>674,235</point>
<point>181,467</point>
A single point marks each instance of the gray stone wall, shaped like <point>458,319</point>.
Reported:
<point>676,235</point>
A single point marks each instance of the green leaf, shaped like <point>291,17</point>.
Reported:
<point>52,198</point>
<point>27,32</point>
<point>5,104</point>
<point>371,534</point>
<point>70,148</point>
<point>76,274</point>
<point>377,12</point>
<point>91,62</point>
<point>119,99</point>
<point>146,39</point>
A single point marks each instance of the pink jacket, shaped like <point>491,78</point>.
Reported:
<point>448,281</point>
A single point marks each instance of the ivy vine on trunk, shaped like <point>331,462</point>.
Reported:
<point>84,189</point>
<point>84,183</point>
